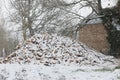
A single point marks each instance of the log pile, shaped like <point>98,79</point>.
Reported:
<point>53,49</point>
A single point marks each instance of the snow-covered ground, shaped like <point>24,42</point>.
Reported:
<point>57,72</point>
<point>52,57</point>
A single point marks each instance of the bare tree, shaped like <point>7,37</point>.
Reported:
<point>51,15</point>
<point>66,18</point>
<point>27,13</point>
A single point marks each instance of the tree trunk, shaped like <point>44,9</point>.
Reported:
<point>31,31</point>
<point>99,6</point>
<point>24,32</point>
<point>29,20</point>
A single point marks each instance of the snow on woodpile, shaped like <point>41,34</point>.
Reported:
<point>53,49</point>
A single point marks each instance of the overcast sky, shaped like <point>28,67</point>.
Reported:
<point>108,3</point>
<point>5,4</point>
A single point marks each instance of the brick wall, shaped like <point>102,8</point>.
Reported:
<point>95,36</point>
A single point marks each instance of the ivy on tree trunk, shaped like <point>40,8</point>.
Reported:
<point>111,20</point>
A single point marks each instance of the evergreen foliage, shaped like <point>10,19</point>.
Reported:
<point>111,20</point>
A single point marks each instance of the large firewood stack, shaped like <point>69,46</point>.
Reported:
<point>53,49</point>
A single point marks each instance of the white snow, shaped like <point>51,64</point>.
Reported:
<point>58,72</point>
